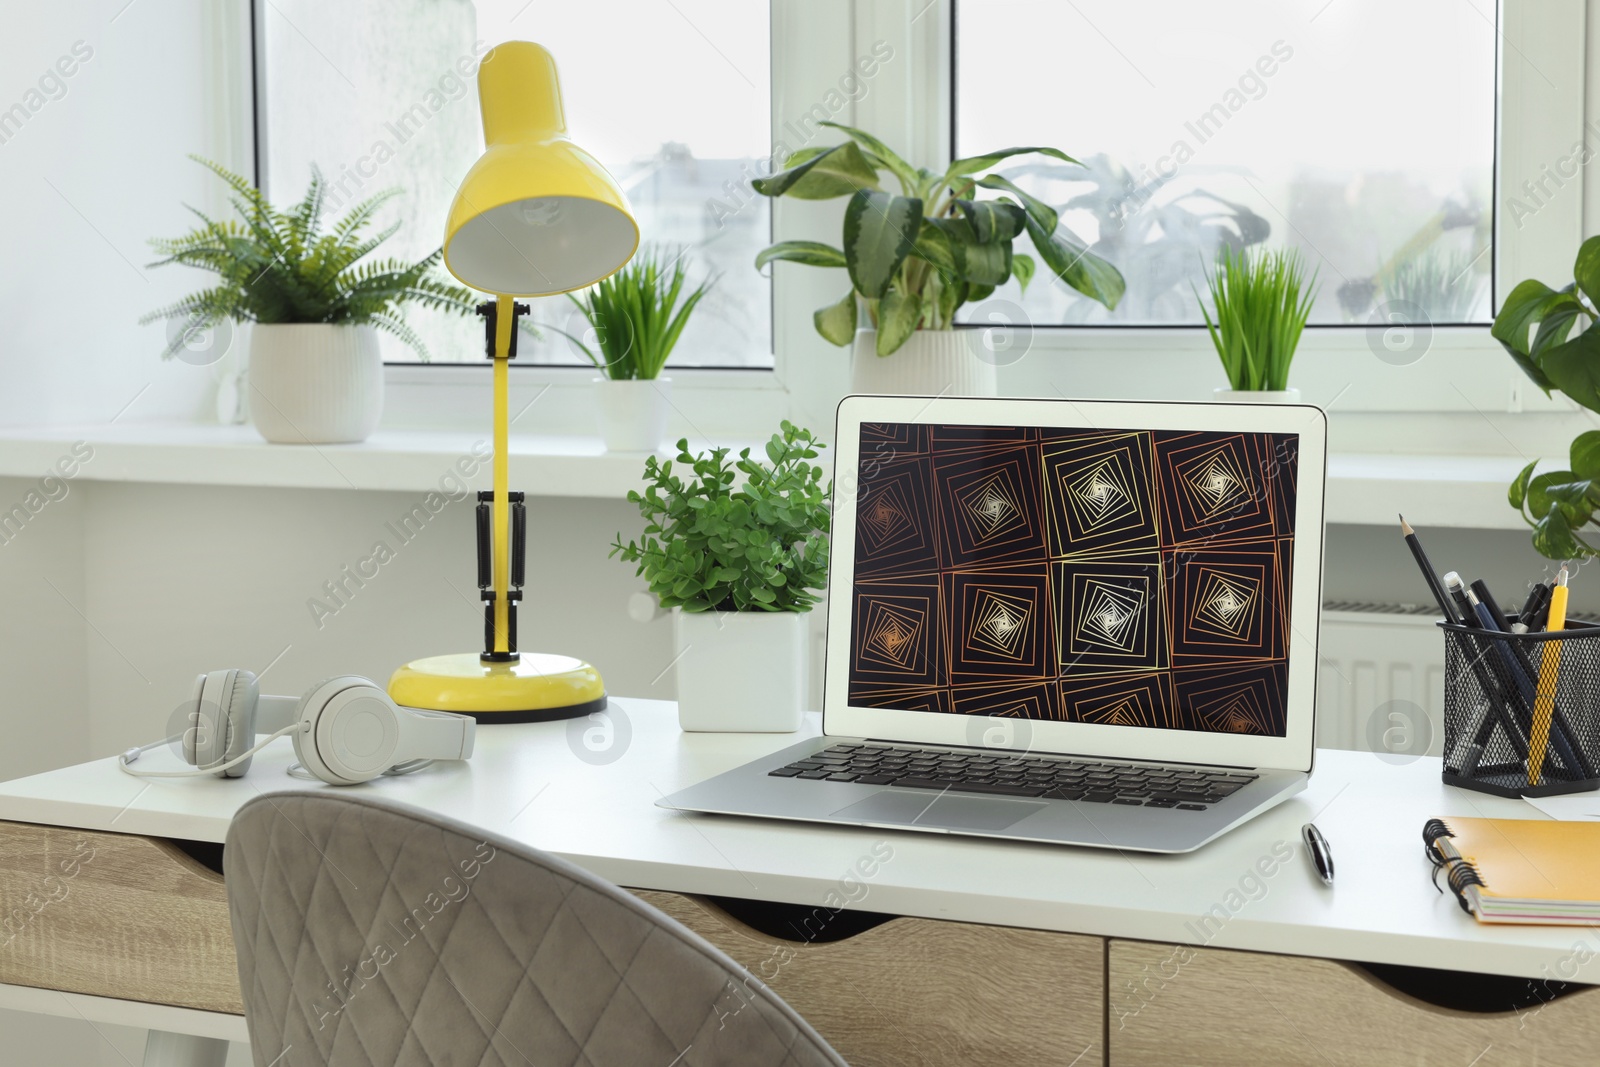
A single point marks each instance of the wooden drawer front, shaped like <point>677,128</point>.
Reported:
<point>116,916</point>
<point>1179,1005</point>
<point>920,991</point>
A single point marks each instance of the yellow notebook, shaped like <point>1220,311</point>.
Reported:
<point>1519,870</point>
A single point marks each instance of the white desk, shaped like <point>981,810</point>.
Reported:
<point>529,783</point>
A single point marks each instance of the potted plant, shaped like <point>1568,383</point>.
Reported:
<point>316,375</point>
<point>917,255</point>
<point>1536,328</point>
<point>1262,300</point>
<point>637,315</point>
<point>740,550</point>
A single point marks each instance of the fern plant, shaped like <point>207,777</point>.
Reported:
<point>282,266</point>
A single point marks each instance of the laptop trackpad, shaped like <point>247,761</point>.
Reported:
<point>907,808</point>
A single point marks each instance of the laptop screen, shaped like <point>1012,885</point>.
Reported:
<point>1114,577</point>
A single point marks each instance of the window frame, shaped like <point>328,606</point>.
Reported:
<point>1541,95</point>
<point>1540,47</point>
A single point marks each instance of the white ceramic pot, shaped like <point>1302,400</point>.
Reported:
<point>930,363</point>
<point>633,413</point>
<point>740,671</point>
<point>315,383</point>
<point>1256,396</point>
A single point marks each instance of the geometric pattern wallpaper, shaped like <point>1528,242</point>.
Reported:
<point>1135,578</point>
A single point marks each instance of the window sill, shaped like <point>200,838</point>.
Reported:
<point>388,461</point>
<point>1372,489</point>
<point>1363,488</point>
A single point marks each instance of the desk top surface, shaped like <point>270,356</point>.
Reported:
<point>587,792</point>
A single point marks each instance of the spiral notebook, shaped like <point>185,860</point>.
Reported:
<point>1519,870</point>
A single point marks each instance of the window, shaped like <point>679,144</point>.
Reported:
<point>1360,132</point>
<point>383,94</point>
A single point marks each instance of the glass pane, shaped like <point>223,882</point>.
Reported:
<point>1360,132</point>
<point>677,107</point>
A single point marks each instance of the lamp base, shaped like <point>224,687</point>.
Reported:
<point>535,688</point>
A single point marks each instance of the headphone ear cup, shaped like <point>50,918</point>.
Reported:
<point>222,721</point>
<point>207,740</point>
<point>195,722</point>
<point>240,716</point>
<point>349,731</point>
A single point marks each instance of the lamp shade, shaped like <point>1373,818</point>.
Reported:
<point>536,214</point>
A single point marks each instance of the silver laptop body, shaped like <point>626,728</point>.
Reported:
<point>1087,623</point>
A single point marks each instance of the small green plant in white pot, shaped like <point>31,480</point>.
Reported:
<point>1261,300</point>
<point>917,255</point>
<point>637,316</point>
<point>740,550</point>
<point>315,301</point>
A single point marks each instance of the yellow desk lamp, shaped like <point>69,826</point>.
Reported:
<point>535,216</point>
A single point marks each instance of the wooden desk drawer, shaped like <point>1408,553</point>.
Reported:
<point>1179,1005</point>
<point>915,992</point>
<point>114,915</point>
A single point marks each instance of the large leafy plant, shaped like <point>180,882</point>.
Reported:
<point>1536,327</point>
<point>714,543</point>
<point>283,266</point>
<point>917,255</point>
<point>637,315</point>
<point>1262,300</point>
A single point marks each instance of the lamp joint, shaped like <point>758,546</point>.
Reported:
<point>490,310</point>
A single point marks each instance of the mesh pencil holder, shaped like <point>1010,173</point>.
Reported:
<point>1503,692</point>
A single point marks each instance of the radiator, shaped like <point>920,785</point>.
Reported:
<point>1380,682</point>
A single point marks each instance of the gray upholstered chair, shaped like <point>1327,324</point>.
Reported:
<point>370,933</point>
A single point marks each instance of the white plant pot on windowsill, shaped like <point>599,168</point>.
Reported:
<point>633,412</point>
<point>315,383</point>
<point>1256,396</point>
<point>740,671</point>
<point>930,363</point>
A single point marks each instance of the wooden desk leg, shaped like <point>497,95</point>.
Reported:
<point>163,1049</point>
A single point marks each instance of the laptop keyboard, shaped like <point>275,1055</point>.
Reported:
<point>1005,774</point>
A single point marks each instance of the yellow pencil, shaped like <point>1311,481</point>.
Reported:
<point>1549,668</point>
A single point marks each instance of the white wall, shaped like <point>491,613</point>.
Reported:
<point>92,166</point>
<point>183,579</point>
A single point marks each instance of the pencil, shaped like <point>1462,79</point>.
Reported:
<point>1428,573</point>
<point>1549,671</point>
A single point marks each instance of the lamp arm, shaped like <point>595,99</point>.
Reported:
<point>503,589</point>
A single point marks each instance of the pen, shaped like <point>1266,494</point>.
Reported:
<point>1521,685</point>
<point>1528,617</point>
<point>1549,672</point>
<point>1541,613</point>
<point>1571,755</point>
<point>1480,737</point>
<point>1428,573</point>
<point>1501,699</point>
<point>1480,589</point>
<point>1317,848</point>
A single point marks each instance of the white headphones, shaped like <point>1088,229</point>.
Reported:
<point>346,730</point>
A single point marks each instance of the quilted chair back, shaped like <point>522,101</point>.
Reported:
<point>374,934</point>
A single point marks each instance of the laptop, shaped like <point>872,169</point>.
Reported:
<point>1085,623</point>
